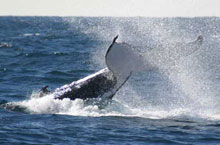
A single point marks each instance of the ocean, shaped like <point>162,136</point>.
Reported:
<point>177,102</point>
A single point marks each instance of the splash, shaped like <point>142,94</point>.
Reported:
<point>49,105</point>
<point>185,87</point>
<point>78,107</point>
<point>180,85</point>
<point>31,34</point>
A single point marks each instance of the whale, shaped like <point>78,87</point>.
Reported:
<point>121,62</point>
<point>103,84</point>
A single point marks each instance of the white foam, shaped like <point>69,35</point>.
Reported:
<point>49,105</point>
<point>182,87</point>
<point>31,34</point>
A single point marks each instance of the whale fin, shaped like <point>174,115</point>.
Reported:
<point>186,49</point>
<point>122,59</point>
<point>192,47</point>
<point>119,87</point>
<point>44,89</point>
<point>114,41</point>
<point>199,39</point>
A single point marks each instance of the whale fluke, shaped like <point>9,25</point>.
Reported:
<point>114,40</point>
<point>122,59</point>
<point>104,83</point>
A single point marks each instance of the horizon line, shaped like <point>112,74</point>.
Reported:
<point>108,16</point>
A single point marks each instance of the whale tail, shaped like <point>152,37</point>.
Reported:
<point>122,59</point>
<point>192,47</point>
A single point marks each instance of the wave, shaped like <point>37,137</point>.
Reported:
<point>5,44</point>
<point>31,34</point>
<point>78,107</point>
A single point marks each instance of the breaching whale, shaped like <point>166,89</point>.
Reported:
<point>102,84</point>
<point>121,62</point>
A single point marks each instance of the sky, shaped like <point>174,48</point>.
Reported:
<point>120,8</point>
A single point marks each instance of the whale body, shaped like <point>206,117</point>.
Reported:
<point>121,62</point>
<point>92,86</point>
<point>102,84</point>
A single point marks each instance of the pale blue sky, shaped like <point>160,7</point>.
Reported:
<point>149,8</point>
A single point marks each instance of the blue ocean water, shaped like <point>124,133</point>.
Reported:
<point>176,103</point>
